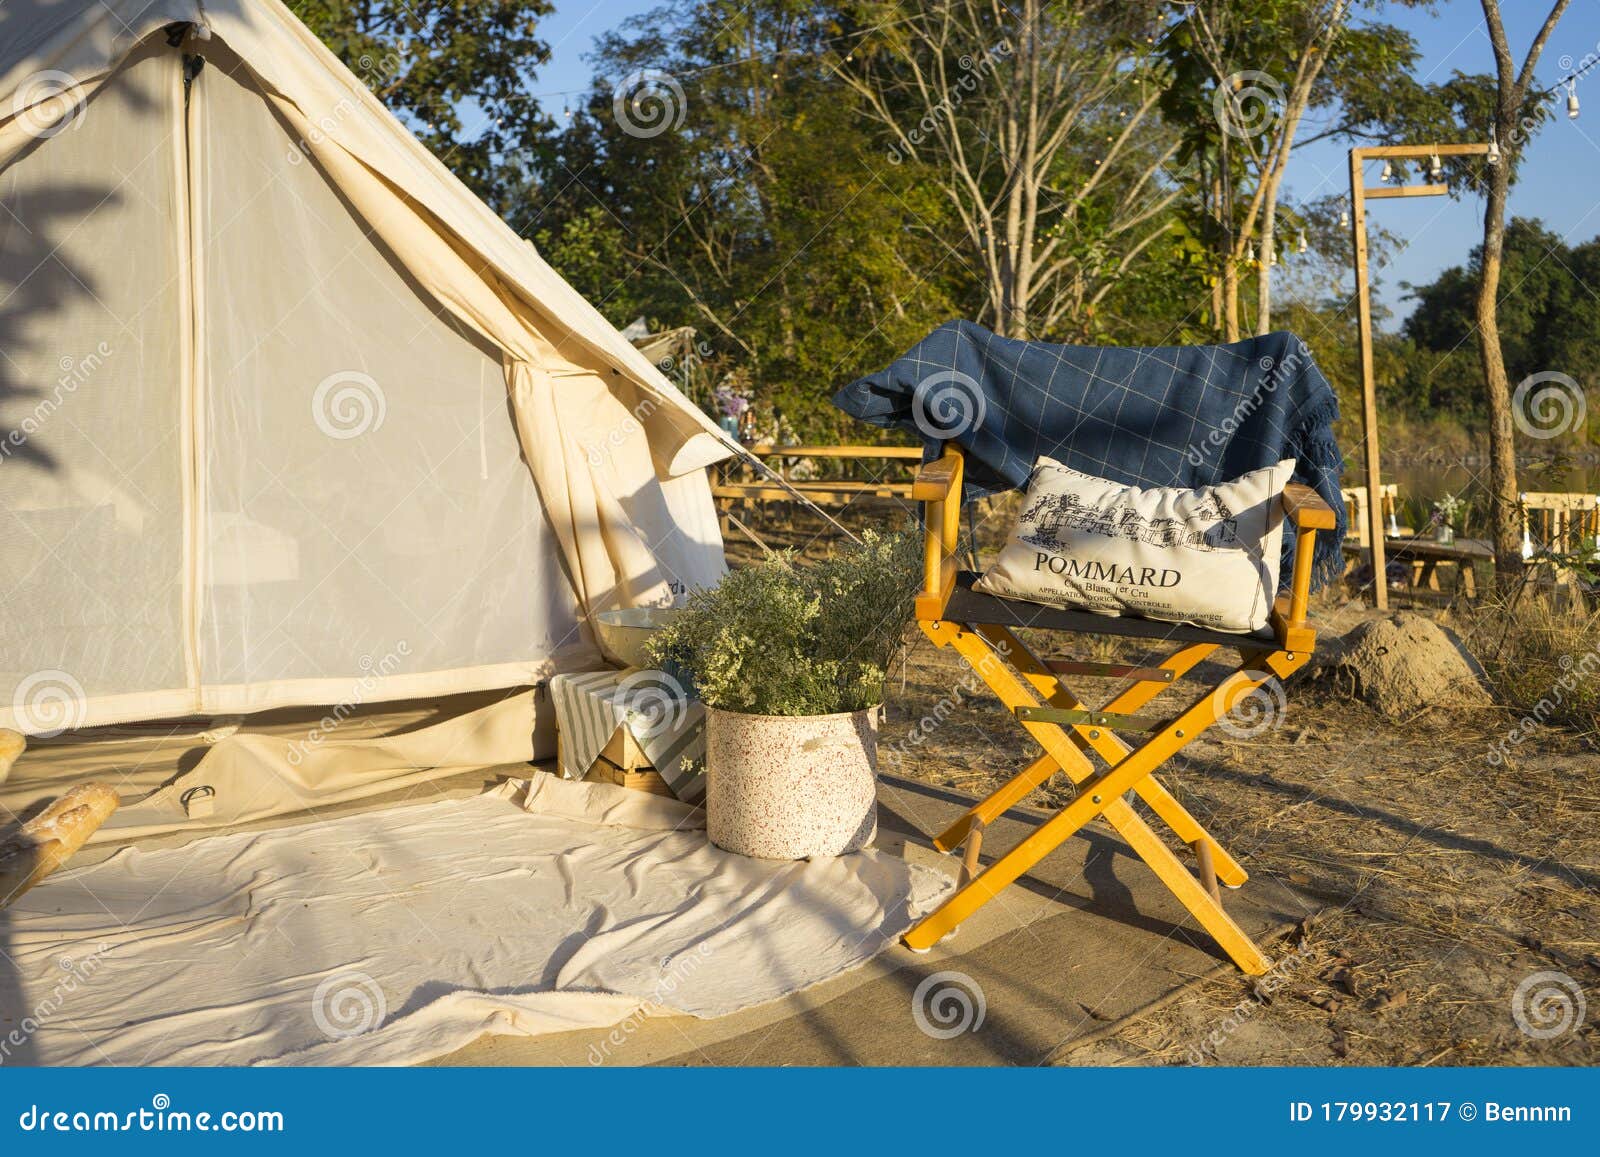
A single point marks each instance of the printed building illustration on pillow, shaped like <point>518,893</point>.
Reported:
<point>1042,522</point>
<point>1207,555</point>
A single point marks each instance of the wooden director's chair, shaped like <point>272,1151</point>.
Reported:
<point>983,629</point>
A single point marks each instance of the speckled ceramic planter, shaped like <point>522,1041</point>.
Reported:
<point>792,787</point>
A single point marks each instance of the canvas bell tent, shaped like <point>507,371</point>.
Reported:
<point>284,409</point>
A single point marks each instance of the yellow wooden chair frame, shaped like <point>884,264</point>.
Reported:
<point>982,629</point>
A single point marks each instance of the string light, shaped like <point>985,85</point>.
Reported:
<point>1435,167</point>
<point>1494,149</point>
<point>1250,251</point>
<point>1300,242</point>
<point>1344,218</point>
<point>1388,173</point>
<point>1572,99</point>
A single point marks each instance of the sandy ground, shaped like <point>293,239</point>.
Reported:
<point>1445,883</point>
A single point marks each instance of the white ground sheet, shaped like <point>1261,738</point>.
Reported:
<point>396,936</point>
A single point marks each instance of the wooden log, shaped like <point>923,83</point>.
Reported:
<point>12,745</point>
<point>49,840</point>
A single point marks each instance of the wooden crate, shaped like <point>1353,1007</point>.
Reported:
<point>604,771</point>
<point>623,762</point>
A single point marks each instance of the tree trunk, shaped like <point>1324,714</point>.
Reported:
<point>1264,271</point>
<point>1230,298</point>
<point>1273,180</point>
<point>1502,442</point>
<point>1513,90</point>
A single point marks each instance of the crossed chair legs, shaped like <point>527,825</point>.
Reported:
<point>1028,685</point>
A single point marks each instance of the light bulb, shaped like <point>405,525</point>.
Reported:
<point>1300,242</point>
<point>1572,100</point>
<point>1388,173</point>
<point>1250,251</point>
<point>1494,149</point>
<point>1344,219</point>
<point>1435,167</point>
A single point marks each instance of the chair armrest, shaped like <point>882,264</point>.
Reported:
<point>1306,509</point>
<point>938,487</point>
<point>937,478</point>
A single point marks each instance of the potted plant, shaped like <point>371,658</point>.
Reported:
<point>791,661</point>
<point>731,405</point>
<point>1445,512</point>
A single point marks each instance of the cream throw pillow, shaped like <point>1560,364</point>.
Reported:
<point>1207,556</point>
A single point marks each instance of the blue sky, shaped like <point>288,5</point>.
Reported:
<point>1560,181</point>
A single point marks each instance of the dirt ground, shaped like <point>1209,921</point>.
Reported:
<point>1437,884</point>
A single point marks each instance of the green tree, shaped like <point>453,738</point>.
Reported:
<point>1035,123</point>
<point>1247,79</point>
<point>1546,317</point>
<point>457,72</point>
<point>719,178</point>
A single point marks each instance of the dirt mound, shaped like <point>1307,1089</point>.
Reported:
<point>1403,663</point>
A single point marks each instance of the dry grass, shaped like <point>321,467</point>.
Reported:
<point>1541,650</point>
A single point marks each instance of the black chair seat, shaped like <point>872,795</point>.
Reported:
<point>974,607</point>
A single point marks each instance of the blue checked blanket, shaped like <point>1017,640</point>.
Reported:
<point>1156,416</point>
